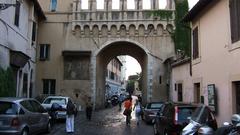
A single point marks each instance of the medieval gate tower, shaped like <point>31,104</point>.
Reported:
<point>76,43</point>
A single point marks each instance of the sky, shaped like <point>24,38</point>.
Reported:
<point>100,4</point>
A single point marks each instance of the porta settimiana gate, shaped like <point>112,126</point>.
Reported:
<point>81,41</point>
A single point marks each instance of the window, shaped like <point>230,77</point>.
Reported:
<point>100,4</point>
<point>17,13</point>
<point>27,105</point>
<point>49,86</point>
<point>235,20</point>
<point>115,4</point>
<point>130,4</point>
<point>180,93</point>
<point>53,5</point>
<point>84,4</point>
<point>34,27</point>
<point>195,44</point>
<point>44,51</point>
<point>8,108</point>
<point>147,4</point>
<point>36,106</point>
<point>112,76</point>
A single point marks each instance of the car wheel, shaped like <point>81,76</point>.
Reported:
<point>49,127</point>
<point>24,132</point>
<point>155,129</point>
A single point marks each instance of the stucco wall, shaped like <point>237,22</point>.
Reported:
<point>181,74</point>
<point>217,62</point>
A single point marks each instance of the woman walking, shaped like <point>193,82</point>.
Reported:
<point>138,109</point>
<point>128,109</point>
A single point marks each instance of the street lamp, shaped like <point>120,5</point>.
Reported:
<point>8,3</point>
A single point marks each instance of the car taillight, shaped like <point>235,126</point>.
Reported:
<point>15,122</point>
<point>176,115</point>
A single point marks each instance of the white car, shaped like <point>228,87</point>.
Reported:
<point>60,112</point>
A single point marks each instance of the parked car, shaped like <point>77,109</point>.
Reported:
<point>150,111</point>
<point>172,118</point>
<point>23,116</point>
<point>57,106</point>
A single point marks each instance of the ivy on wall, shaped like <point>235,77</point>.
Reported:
<point>181,35</point>
<point>163,14</point>
<point>7,84</point>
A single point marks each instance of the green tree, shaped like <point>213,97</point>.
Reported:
<point>130,86</point>
<point>7,84</point>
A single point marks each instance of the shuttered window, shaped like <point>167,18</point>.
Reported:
<point>44,52</point>
<point>17,13</point>
<point>180,92</point>
<point>49,86</point>
<point>195,44</point>
<point>235,20</point>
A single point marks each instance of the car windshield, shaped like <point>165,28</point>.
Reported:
<point>154,106</point>
<point>201,115</point>
<point>61,101</point>
<point>8,108</point>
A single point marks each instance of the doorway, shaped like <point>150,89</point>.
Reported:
<point>237,89</point>
<point>196,93</point>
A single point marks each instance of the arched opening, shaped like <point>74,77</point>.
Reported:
<point>123,77</point>
<point>109,52</point>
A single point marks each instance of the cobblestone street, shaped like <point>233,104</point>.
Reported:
<point>105,122</point>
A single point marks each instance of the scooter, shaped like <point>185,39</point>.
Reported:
<point>202,122</point>
<point>230,128</point>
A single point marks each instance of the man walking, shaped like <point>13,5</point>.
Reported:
<point>70,117</point>
<point>89,107</point>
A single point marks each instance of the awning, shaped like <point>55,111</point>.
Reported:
<point>18,58</point>
<point>76,53</point>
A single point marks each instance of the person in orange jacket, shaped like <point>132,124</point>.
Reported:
<point>128,109</point>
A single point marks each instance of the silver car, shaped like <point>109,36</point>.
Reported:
<point>23,116</point>
<point>60,112</point>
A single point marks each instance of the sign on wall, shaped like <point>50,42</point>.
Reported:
<point>212,97</point>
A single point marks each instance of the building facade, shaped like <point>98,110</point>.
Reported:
<point>80,38</point>
<point>113,78</point>
<point>212,76</point>
<point>18,40</point>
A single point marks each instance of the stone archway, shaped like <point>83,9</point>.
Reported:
<point>103,56</point>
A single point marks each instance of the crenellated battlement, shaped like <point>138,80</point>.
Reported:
<point>107,19</point>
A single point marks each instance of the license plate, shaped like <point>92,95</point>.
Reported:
<point>62,113</point>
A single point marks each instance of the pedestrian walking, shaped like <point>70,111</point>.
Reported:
<point>138,109</point>
<point>140,101</point>
<point>120,100</point>
<point>89,107</point>
<point>128,110</point>
<point>70,117</point>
